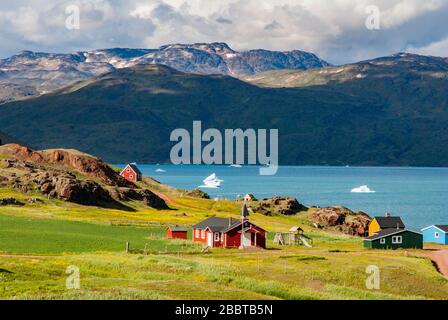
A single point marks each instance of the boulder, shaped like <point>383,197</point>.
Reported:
<point>67,187</point>
<point>343,220</point>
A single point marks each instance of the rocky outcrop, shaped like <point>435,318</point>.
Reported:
<point>67,188</point>
<point>87,165</point>
<point>69,159</point>
<point>196,193</point>
<point>277,204</point>
<point>54,173</point>
<point>20,152</point>
<point>342,219</point>
<point>146,196</point>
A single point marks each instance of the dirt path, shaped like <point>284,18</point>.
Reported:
<point>440,258</point>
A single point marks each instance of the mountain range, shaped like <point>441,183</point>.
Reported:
<point>386,111</point>
<point>29,74</point>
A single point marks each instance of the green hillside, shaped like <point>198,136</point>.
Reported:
<point>390,111</point>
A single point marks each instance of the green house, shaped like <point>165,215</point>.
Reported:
<point>395,239</point>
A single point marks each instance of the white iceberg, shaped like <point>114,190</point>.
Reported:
<point>212,181</point>
<point>160,170</point>
<point>362,189</point>
<point>235,166</point>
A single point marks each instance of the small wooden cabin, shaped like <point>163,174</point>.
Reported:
<point>435,234</point>
<point>131,173</point>
<point>176,233</point>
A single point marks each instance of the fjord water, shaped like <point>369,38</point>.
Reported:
<point>418,195</point>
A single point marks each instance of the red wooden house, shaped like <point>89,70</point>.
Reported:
<point>131,173</point>
<point>176,233</point>
<point>229,233</point>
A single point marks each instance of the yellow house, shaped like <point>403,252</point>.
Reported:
<point>382,223</point>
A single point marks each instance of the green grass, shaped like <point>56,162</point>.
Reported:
<point>39,241</point>
<point>45,236</point>
<point>223,274</point>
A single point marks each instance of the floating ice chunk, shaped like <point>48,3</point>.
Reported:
<point>362,189</point>
<point>212,181</point>
<point>160,170</point>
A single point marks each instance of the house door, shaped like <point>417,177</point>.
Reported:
<point>210,239</point>
<point>247,239</point>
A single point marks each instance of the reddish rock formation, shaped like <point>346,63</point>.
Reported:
<point>71,159</point>
<point>21,153</point>
<point>342,219</point>
<point>87,165</point>
<point>52,173</point>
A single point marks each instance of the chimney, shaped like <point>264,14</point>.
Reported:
<point>388,215</point>
<point>398,226</point>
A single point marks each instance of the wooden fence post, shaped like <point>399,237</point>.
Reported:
<point>127,246</point>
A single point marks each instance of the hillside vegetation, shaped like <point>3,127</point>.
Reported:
<point>388,111</point>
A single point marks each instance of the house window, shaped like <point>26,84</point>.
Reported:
<point>129,170</point>
<point>131,176</point>
<point>216,236</point>
<point>436,235</point>
<point>197,233</point>
<point>397,240</point>
<point>383,240</point>
<point>203,234</point>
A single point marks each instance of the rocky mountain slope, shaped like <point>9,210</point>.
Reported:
<point>387,111</point>
<point>30,74</point>
<point>219,58</point>
<point>71,176</point>
<point>396,68</point>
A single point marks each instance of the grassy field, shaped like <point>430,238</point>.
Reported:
<point>39,241</point>
<point>45,236</point>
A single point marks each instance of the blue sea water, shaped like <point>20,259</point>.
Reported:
<point>418,195</point>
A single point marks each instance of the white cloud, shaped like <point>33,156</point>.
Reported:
<point>438,48</point>
<point>333,29</point>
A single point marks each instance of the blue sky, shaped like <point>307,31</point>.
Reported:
<point>335,30</point>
